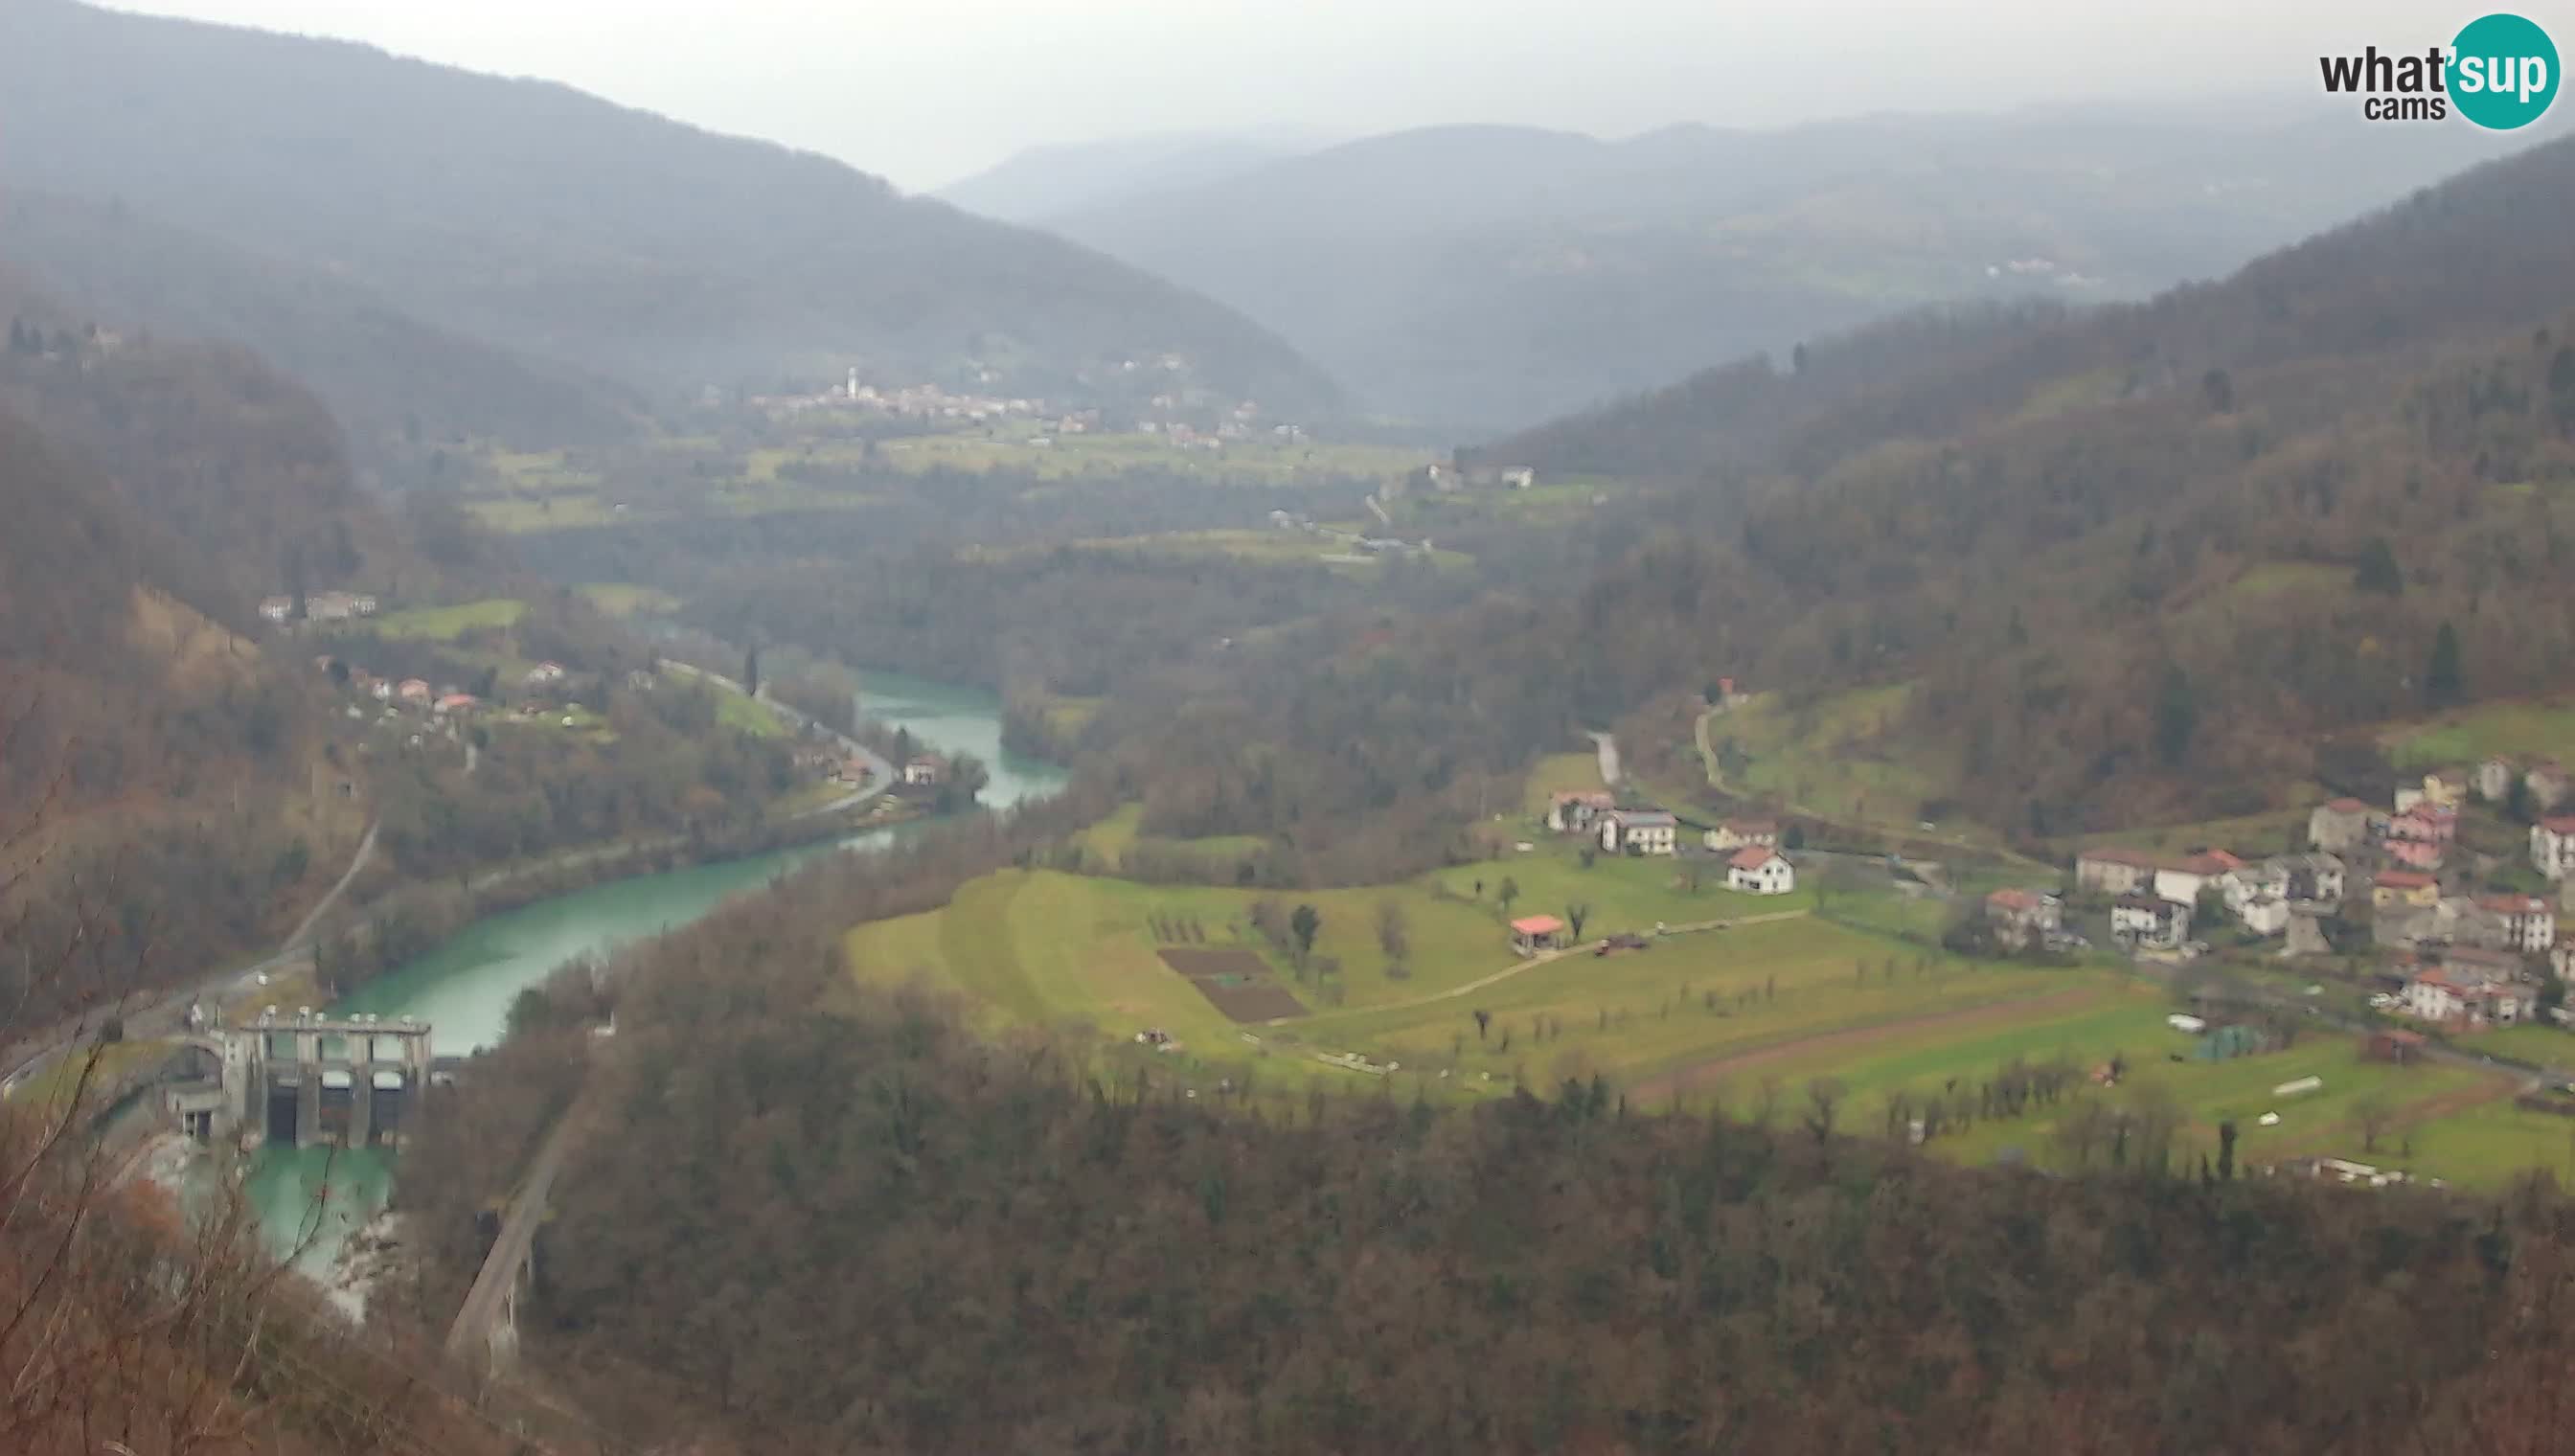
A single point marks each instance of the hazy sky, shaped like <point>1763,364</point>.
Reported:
<point>927,91</point>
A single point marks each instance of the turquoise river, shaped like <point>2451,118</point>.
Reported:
<point>465,986</point>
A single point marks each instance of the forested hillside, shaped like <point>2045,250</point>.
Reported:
<point>1486,276</point>
<point>390,379</point>
<point>530,215</point>
<point>2141,561</point>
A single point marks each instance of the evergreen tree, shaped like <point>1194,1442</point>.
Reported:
<point>2378,571</point>
<point>2441,684</point>
<point>2176,717</point>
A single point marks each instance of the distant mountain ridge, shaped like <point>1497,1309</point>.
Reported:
<point>1042,182</point>
<point>550,223</point>
<point>1487,276</point>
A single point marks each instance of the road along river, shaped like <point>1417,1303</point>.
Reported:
<point>465,986</point>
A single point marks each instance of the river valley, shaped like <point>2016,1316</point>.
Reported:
<point>465,986</point>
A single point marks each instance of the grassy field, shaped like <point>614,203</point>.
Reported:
<point>1105,845</point>
<point>2272,831</point>
<point>2522,730</point>
<point>1661,1020</point>
<point>624,598</point>
<point>445,624</point>
<point>1830,757</point>
<point>2424,1100</point>
<point>1261,460</point>
<point>734,711</point>
<point>2531,1042</point>
<point>1267,544</point>
<point>1730,1017</point>
<point>1556,772</point>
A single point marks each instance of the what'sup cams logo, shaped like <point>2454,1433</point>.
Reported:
<point>2499,72</point>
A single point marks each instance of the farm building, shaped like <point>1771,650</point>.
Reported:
<point>1534,934</point>
<point>1640,832</point>
<point>2114,870</point>
<point>2019,916</point>
<point>1571,812</point>
<point>2149,922</point>
<point>1760,870</point>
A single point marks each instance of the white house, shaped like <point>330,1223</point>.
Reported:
<point>2494,780</point>
<point>2527,923</point>
<point>277,608</point>
<point>1640,832</point>
<point>2552,845</point>
<point>1744,833</point>
<point>2182,880</point>
<point>1760,869</point>
<point>2266,915</point>
<point>928,768</point>
<point>2454,994</point>
<point>2268,880</point>
<point>2150,921</point>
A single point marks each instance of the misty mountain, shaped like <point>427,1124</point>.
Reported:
<point>1482,276</point>
<point>385,374</point>
<point>533,217</point>
<point>1042,182</point>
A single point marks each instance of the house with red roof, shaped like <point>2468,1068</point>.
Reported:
<point>1534,934</point>
<point>1760,869</point>
<point>2469,995</point>
<point>2182,879</point>
<point>2019,916</point>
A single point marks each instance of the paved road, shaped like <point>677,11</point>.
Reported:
<point>1609,750</point>
<point>1547,957</point>
<point>518,1232</point>
<point>165,1013</point>
<point>357,861</point>
<point>1899,831</point>
<point>881,772</point>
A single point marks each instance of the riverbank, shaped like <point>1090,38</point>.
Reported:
<point>464,982</point>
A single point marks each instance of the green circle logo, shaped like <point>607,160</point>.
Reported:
<point>2503,72</point>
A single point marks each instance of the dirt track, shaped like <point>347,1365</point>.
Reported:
<point>1654,1091</point>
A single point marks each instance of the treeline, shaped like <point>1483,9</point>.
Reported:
<point>862,1229</point>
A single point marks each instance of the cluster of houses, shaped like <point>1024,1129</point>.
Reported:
<point>2468,959</point>
<point>1459,478</point>
<point>1754,864</point>
<point>826,759</point>
<point>319,606</point>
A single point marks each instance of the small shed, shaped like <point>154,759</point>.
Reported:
<point>2230,1041</point>
<point>2401,1047</point>
<point>1534,934</point>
